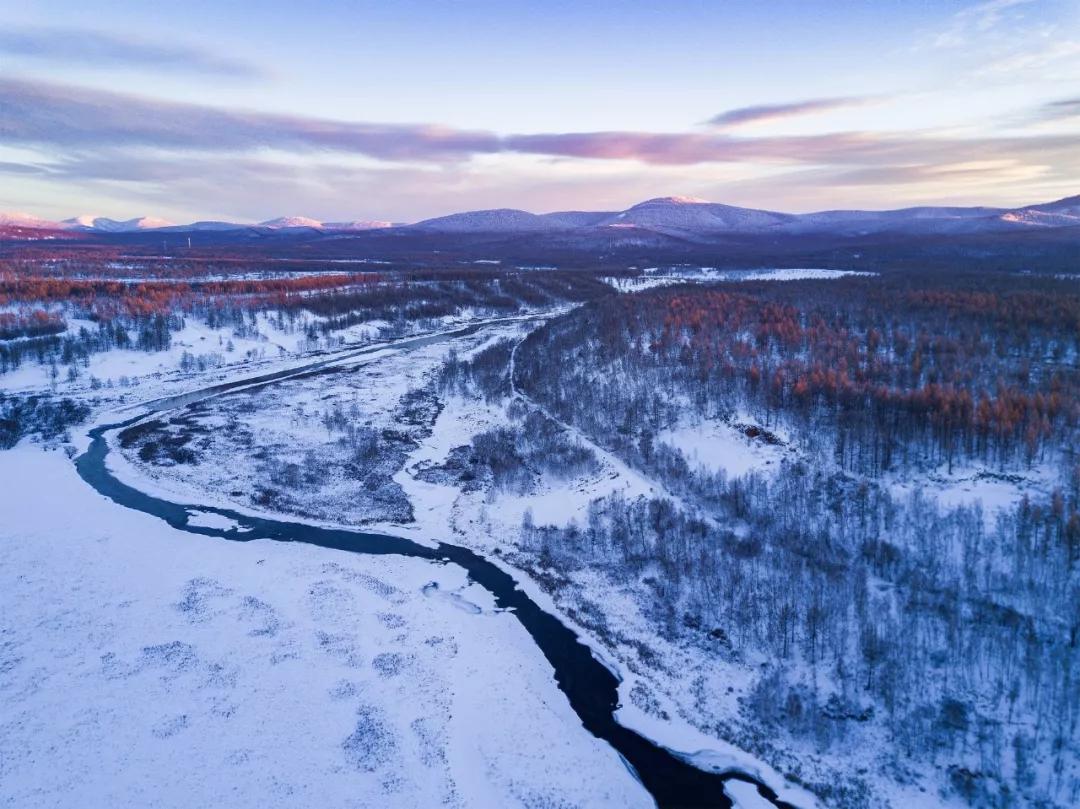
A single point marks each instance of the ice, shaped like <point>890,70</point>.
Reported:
<point>208,519</point>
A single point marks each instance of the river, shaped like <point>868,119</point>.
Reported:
<point>590,687</point>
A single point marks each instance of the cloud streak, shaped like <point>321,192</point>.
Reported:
<point>74,118</point>
<point>773,112</point>
<point>1057,110</point>
<point>89,48</point>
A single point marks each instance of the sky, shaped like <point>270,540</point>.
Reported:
<point>405,110</point>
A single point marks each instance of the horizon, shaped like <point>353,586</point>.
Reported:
<point>360,113</point>
<point>345,219</point>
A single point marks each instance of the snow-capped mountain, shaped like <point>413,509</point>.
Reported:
<point>23,227</point>
<point>82,222</point>
<point>695,216</point>
<point>105,225</point>
<point>16,219</point>
<point>283,222</point>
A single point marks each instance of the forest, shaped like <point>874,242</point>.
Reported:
<point>874,612</point>
<point>948,375</point>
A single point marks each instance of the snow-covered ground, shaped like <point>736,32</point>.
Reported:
<point>797,274</point>
<point>285,423</point>
<point>145,666</point>
<point>722,445</point>
<point>657,276</point>
<point>489,520</point>
<point>639,283</point>
<point>975,485</point>
<point>218,347</point>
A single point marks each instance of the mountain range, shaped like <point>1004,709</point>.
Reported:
<point>684,218</point>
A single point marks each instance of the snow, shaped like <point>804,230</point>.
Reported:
<point>195,338</point>
<point>144,665</point>
<point>708,753</point>
<point>485,521</point>
<point>661,699</point>
<point>718,445</point>
<point>745,796</point>
<point>208,519</point>
<point>799,274</point>
<point>637,284</point>
<point>675,200</point>
<point>105,225</point>
<point>25,220</point>
<point>359,224</point>
<point>694,215</point>
<point>151,374</point>
<point>85,220</point>
<point>291,222</point>
<point>287,423</point>
<point>657,276</point>
<point>976,485</point>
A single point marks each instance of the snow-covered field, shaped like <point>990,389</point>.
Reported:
<point>797,274</point>
<point>657,276</point>
<point>144,666</point>
<point>989,489</point>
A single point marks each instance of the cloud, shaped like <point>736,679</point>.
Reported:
<point>7,167</point>
<point>976,21</point>
<point>837,149</point>
<point>773,112</point>
<point>1065,108</point>
<point>74,119</point>
<point>1037,56</point>
<point>679,148</point>
<point>77,46</point>
<point>66,116</point>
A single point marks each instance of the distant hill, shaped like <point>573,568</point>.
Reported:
<point>663,223</point>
